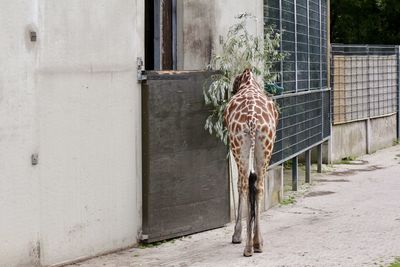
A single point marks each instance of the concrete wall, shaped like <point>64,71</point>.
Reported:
<point>19,181</point>
<point>348,140</point>
<point>203,23</point>
<point>72,97</point>
<point>359,138</point>
<point>383,132</point>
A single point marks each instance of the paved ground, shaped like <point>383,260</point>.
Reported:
<point>350,217</point>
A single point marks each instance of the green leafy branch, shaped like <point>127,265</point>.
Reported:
<point>240,50</point>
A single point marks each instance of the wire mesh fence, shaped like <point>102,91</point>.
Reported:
<point>364,79</point>
<point>305,103</point>
<point>303,123</point>
<point>303,28</point>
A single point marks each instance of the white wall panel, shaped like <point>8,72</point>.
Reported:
<point>73,97</point>
<point>90,135</point>
<point>19,199</point>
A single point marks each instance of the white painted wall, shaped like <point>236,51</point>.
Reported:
<point>73,98</point>
<point>19,192</point>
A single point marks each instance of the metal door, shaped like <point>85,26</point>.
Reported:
<point>185,170</point>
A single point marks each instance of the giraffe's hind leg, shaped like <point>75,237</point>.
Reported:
<point>262,156</point>
<point>237,235</point>
<point>248,250</point>
<point>239,153</point>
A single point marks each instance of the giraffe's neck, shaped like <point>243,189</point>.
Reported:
<point>249,81</point>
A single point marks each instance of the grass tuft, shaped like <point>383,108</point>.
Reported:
<point>156,244</point>
<point>396,262</point>
<point>347,160</point>
<point>288,201</point>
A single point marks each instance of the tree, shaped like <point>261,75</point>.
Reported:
<point>365,21</point>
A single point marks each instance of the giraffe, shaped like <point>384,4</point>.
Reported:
<point>251,118</point>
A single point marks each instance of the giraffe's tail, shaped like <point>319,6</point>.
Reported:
<point>253,175</point>
<point>252,195</point>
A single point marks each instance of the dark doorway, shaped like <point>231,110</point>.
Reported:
<point>160,35</point>
<point>149,35</point>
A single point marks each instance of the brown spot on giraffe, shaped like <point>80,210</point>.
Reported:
<point>250,117</point>
<point>270,135</point>
<point>236,142</point>
<point>243,118</point>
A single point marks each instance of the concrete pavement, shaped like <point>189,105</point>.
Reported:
<point>349,217</point>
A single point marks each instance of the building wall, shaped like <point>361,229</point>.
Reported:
<point>19,182</point>
<point>203,24</point>
<point>72,97</point>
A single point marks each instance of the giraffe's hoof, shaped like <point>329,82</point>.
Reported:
<point>258,249</point>
<point>236,240</point>
<point>248,252</point>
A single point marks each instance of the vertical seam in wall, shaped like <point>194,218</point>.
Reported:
<point>37,21</point>
<point>368,136</point>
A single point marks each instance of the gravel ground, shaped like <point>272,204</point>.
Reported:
<point>349,217</point>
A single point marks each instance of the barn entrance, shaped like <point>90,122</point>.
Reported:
<point>185,170</point>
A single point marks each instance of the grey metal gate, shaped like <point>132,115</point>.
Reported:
<point>185,170</point>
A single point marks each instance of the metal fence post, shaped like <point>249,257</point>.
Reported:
<point>295,173</point>
<point>398,94</point>
<point>295,46</point>
<point>319,159</point>
<point>308,165</point>
<point>281,44</point>
<point>320,44</point>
